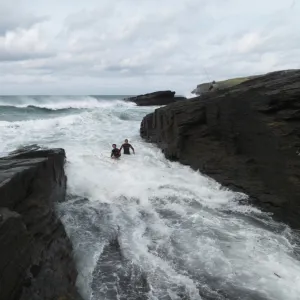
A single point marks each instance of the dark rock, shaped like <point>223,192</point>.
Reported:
<point>246,137</point>
<point>180,98</point>
<point>116,277</point>
<point>36,260</point>
<point>156,98</point>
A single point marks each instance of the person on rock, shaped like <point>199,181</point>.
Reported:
<point>115,152</point>
<point>213,86</point>
<point>126,146</point>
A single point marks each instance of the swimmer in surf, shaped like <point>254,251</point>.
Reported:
<point>115,152</point>
<point>126,146</point>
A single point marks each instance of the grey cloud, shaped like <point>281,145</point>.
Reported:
<point>151,44</point>
<point>19,38</point>
<point>6,56</point>
<point>8,22</point>
<point>84,19</point>
<point>11,17</point>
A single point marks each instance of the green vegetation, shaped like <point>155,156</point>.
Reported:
<point>223,84</point>
<point>234,81</point>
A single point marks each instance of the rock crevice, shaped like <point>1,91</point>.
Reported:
<point>246,136</point>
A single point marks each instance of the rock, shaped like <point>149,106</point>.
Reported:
<point>246,137</point>
<point>36,260</point>
<point>179,98</point>
<point>156,98</point>
<point>204,88</point>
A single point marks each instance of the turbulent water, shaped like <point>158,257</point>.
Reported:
<point>143,227</point>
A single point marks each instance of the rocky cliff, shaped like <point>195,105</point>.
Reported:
<point>156,98</point>
<point>224,84</point>
<point>36,260</point>
<point>246,137</point>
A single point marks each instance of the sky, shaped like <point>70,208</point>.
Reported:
<point>70,47</point>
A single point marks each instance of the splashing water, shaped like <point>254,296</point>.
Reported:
<point>143,227</point>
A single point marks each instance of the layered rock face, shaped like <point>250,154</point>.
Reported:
<point>156,98</point>
<point>246,137</point>
<point>36,260</point>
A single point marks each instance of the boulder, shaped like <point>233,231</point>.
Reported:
<point>246,137</point>
<point>36,260</point>
<point>156,98</point>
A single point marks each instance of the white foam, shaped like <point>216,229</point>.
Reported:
<point>56,103</point>
<point>175,212</point>
<point>189,95</point>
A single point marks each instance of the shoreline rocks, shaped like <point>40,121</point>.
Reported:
<point>156,98</point>
<point>246,137</point>
<point>36,260</point>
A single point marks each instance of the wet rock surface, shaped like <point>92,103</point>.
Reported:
<point>36,260</point>
<point>246,137</point>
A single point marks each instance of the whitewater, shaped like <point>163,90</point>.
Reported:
<point>144,227</point>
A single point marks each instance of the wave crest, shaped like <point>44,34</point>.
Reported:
<point>61,103</point>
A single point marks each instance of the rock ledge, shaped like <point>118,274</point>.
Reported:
<point>156,98</point>
<point>36,260</point>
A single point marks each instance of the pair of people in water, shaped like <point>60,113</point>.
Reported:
<point>116,153</point>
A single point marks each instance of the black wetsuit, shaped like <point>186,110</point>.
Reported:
<point>126,148</point>
<point>115,152</point>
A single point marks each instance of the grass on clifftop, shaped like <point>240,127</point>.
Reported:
<point>234,81</point>
<point>223,84</point>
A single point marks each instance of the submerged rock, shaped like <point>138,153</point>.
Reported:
<point>246,137</point>
<point>156,98</point>
<point>36,260</point>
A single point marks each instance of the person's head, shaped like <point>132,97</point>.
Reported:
<point>114,146</point>
<point>126,141</point>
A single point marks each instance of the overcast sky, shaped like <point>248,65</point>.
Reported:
<point>136,46</point>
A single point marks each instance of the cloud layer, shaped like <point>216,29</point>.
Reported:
<point>128,47</point>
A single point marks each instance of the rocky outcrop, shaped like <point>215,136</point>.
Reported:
<point>36,259</point>
<point>246,137</point>
<point>156,98</point>
<point>204,88</point>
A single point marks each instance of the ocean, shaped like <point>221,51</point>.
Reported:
<point>144,227</point>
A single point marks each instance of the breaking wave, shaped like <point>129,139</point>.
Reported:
<point>147,228</point>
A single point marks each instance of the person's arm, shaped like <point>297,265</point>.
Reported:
<point>120,149</point>
<point>112,153</point>
<point>132,149</point>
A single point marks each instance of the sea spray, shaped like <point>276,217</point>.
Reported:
<point>144,227</point>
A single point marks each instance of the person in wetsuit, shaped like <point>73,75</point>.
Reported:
<point>115,152</point>
<point>126,146</point>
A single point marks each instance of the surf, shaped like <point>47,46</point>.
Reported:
<point>145,227</point>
